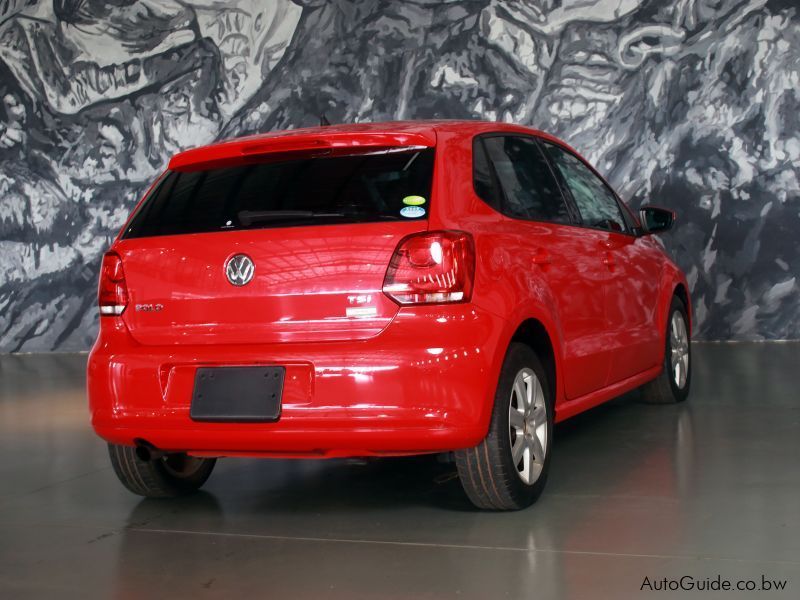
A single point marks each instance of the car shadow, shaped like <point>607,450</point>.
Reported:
<point>343,486</point>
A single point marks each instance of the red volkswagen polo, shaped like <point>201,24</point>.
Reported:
<point>375,290</point>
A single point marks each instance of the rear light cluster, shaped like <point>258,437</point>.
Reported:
<point>431,268</point>
<point>112,293</point>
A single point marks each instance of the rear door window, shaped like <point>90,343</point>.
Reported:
<point>392,185</point>
<point>530,191</point>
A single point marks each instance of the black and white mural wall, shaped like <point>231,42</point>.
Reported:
<point>693,104</point>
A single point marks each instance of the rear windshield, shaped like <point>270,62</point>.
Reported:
<point>386,186</point>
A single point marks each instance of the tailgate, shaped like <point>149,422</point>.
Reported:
<point>309,284</point>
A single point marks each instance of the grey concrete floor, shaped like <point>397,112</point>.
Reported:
<point>708,488</point>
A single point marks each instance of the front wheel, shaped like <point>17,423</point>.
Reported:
<point>672,385</point>
<point>165,477</point>
<point>508,469</point>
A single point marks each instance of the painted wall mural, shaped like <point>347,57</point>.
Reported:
<point>693,104</point>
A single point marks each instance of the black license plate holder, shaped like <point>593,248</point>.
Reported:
<point>237,394</point>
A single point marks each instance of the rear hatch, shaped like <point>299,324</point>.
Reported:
<point>318,228</point>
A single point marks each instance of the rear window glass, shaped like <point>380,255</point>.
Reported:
<point>394,185</point>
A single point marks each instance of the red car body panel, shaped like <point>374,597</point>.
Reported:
<point>404,379</point>
<point>281,304</point>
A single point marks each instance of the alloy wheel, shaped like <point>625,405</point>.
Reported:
<point>679,349</point>
<point>527,426</point>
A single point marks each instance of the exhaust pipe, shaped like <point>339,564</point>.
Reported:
<point>146,451</point>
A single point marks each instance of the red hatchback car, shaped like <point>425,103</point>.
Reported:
<point>375,290</point>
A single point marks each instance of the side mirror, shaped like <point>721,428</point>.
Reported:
<point>655,219</point>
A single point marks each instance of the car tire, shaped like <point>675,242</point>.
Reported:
<point>672,385</point>
<point>508,469</point>
<point>165,477</point>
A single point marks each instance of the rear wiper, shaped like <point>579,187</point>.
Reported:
<point>248,217</point>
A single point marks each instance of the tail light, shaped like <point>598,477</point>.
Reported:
<point>112,294</point>
<point>431,268</point>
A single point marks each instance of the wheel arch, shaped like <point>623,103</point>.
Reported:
<point>681,292</point>
<point>534,329</point>
<point>533,333</point>
<point>673,284</point>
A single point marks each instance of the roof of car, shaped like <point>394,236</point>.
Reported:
<point>421,126</point>
<point>364,135</point>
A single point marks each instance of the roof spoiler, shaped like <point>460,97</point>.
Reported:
<point>234,152</point>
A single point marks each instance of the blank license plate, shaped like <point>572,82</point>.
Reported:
<point>237,394</point>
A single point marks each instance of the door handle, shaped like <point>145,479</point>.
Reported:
<point>542,258</point>
<point>608,260</point>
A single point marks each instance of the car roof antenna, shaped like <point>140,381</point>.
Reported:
<point>323,120</point>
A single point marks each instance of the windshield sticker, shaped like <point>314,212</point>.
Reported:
<point>412,212</point>
<point>414,200</point>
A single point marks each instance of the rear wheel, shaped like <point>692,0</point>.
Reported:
<point>508,469</point>
<point>672,385</point>
<point>165,477</point>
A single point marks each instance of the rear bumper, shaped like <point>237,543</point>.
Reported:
<point>425,384</point>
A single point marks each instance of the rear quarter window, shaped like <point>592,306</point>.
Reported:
<point>512,175</point>
<point>482,177</point>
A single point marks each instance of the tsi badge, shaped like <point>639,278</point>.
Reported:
<point>360,305</point>
<point>240,269</point>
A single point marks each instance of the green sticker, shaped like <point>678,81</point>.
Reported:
<point>414,200</point>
